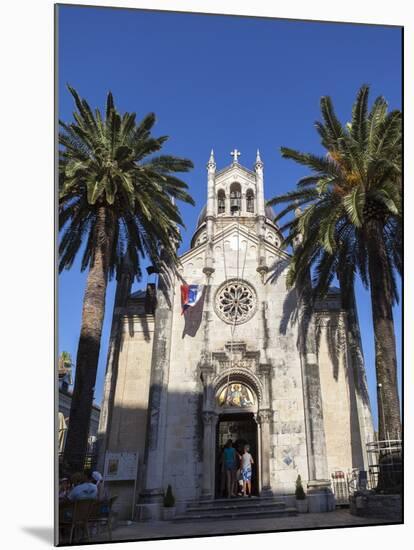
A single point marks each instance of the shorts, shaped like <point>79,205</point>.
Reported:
<point>246,474</point>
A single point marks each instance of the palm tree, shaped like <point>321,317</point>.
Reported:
<point>348,221</point>
<point>115,199</point>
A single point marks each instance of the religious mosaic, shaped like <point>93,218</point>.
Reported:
<point>236,395</point>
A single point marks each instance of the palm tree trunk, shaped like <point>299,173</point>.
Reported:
<point>385,352</point>
<point>89,344</point>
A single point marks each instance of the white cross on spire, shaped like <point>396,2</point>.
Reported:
<point>235,154</point>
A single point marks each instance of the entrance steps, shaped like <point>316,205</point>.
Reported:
<point>236,508</point>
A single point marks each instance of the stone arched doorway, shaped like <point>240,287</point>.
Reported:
<point>236,406</point>
<point>235,364</point>
<point>235,402</point>
<point>241,427</point>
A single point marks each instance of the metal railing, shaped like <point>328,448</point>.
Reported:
<point>385,462</point>
<point>340,487</point>
<point>384,470</point>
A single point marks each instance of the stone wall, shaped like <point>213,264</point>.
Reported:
<point>129,413</point>
<point>335,397</point>
<point>340,410</point>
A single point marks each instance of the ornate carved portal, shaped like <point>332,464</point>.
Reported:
<point>235,384</point>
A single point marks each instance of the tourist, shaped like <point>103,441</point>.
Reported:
<point>246,471</point>
<point>222,473</point>
<point>64,488</point>
<point>240,482</point>
<point>230,467</point>
<point>97,479</point>
<point>83,488</point>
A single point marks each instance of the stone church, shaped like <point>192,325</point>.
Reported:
<point>244,363</point>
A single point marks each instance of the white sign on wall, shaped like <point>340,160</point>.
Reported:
<point>120,466</point>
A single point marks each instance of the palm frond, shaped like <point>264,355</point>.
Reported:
<point>359,117</point>
<point>354,204</point>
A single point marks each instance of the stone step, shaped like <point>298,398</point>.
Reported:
<point>231,505</point>
<point>212,515</point>
<point>235,500</point>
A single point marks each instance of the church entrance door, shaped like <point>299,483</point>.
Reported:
<point>241,428</point>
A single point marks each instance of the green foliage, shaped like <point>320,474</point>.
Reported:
<point>299,492</point>
<point>169,500</point>
<point>65,365</point>
<point>65,360</point>
<point>357,181</point>
<point>111,160</point>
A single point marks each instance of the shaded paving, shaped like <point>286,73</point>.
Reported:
<point>165,529</point>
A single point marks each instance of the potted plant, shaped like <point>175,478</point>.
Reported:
<point>169,504</point>
<point>301,502</point>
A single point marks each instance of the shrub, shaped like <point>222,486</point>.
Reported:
<point>169,499</point>
<point>299,492</point>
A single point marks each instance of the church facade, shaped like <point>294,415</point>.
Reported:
<point>245,362</point>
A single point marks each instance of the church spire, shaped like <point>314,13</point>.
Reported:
<point>211,209</point>
<point>259,162</point>
<point>259,185</point>
<point>261,215</point>
<point>211,162</point>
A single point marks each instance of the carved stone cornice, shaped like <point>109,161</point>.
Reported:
<point>229,168</point>
<point>219,356</point>
<point>242,358</point>
<point>248,363</point>
<point>236,347</point>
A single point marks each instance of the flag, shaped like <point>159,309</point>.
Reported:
<point>190,295</point>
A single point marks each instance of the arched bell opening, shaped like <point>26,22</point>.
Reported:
<point>235,198</point>
<point>250,201</point>
<point>221,202</point>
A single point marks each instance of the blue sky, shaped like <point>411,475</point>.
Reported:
<point>221,82</point>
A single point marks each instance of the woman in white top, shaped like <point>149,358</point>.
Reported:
<point>246,470</point>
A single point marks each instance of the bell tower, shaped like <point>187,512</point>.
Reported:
<point>235,194</point>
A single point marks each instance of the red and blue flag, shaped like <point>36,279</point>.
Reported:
<point>190,295</point>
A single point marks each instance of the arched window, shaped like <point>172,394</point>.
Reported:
<point>250,201</point>
<point>221,202</point>
<point>235,198</point>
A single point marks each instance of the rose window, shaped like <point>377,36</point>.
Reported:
<point>235,302</point>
